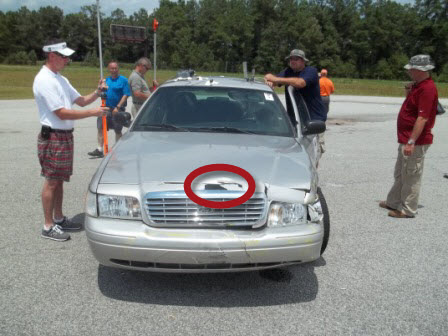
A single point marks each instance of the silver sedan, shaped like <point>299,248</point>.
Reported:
<point>140,216</point>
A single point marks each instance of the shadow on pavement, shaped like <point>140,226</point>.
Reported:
<point>79,218</point>
<point>246,289</point>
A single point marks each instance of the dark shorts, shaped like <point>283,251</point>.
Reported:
<point>56,156</point>
<point>111,124</point>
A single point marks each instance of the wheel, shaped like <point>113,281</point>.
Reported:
<point>324,206</point>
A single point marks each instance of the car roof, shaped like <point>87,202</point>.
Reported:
<point>217,81</point>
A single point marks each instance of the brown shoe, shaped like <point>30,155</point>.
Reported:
<point>385,206</point>
<point>398,214</point>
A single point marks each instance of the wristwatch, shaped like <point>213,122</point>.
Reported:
<point>411,142</point>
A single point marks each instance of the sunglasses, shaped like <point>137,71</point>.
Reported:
<point>63,56</point>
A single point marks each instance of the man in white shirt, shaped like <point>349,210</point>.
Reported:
<point>54,97</point>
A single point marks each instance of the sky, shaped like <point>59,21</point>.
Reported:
<point>74,6</point>
<point>107,6</point>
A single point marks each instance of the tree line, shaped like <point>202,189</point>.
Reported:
<point>351,38</point>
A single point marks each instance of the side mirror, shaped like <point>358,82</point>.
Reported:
<point>314,127</point>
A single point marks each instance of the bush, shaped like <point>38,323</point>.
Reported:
<point>443,75</point>
<point>383,70</point>
<point>107,57</point>
<point>344,69</point>
<point>91,59</point>
<point>19,57</point>
<point>32,58</point>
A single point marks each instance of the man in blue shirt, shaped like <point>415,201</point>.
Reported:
<point>117,94</point>
<point>305,79</point>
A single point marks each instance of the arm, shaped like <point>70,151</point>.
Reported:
<point>66,114</point>
<point>120,103</point>
<point>408,88</point>
<point>86,100</point>
<point>416,131</point>
<point>142,96</point>
<point>272,80</point>
<point>155,85</point>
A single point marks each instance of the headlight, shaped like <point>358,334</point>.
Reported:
<point>91,208</point>
<point>283,214</point>
<point>124,207</point>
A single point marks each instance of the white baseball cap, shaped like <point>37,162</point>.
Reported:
<point>60,48</point>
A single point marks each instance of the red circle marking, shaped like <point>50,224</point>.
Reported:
<point>219,167</point>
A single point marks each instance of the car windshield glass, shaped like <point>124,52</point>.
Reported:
<point>211,109</point>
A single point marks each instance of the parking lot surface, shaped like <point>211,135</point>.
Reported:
<point>379,275</point>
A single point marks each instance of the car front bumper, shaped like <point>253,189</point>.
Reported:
<point>135,245</point>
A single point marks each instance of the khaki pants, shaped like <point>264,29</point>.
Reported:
<point>134,110</point>
<point>321,139</point>
<point>404,194</point>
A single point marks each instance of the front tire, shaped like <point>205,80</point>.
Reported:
<point>326,220</point>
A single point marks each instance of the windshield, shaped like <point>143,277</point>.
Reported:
<point>211,109</point>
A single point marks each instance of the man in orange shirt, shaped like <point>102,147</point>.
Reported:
<point>326,88</point>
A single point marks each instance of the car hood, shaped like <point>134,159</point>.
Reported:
<point>167,158</point>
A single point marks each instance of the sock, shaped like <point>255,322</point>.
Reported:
<point>100,149</point>
<point>59,221</point>
<point>45,229</point>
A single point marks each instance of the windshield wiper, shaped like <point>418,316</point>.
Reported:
<point>164,126</point>
<point>221,129</point>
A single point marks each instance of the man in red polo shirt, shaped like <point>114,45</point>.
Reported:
<point>415,121</point>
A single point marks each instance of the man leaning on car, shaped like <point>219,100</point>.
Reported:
<point>306,79</point>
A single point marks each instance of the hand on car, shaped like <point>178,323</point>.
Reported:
<point>269,80</point>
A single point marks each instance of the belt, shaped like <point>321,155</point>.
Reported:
<point>61,131</point>
<point>55,130</point>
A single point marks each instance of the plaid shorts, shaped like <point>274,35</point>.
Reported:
<point>56,156</point>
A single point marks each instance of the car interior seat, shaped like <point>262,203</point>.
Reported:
<point>266,118</point>
<point>217,109</point>
<point>183,108</point>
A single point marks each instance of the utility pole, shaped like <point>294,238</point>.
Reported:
<point>155,25</point>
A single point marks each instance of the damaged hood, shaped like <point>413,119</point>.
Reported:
<point>156,158</point>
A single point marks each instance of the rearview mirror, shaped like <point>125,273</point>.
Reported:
<point>314,127</point>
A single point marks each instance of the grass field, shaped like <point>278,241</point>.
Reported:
<point>16,81</point>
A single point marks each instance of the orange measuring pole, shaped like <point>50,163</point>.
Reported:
<point>105,140</point>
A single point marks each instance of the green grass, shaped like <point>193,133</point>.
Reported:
<point>371,87</point>
<point>16,81</point>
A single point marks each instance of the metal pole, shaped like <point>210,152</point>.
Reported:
<point>99,36</point>
<point>103,94</point>
<point>155,54</point>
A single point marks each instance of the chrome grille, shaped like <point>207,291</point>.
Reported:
<point>175,209</point>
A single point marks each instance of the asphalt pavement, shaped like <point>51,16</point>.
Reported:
<point>379,275</point>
